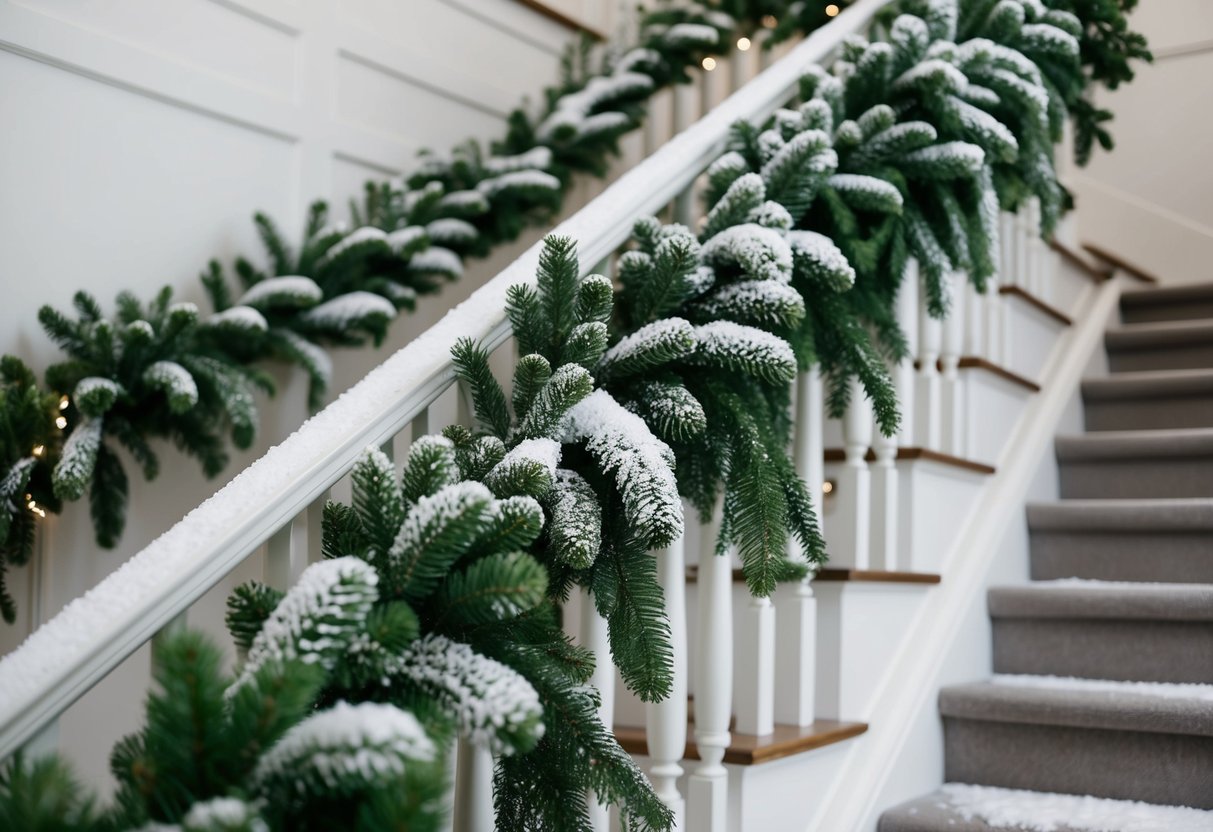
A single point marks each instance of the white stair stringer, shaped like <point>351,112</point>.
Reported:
<point>901,755</point>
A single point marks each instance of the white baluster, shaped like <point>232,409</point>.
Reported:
<point>741,67</point>
<point>684,101</point>
<point>1006,248</point>
<point>975,320</point>
<point>754,681</point>
<point>951,395</point>
<point>885,504</point>
<point>707,786</point>
<point>926,388</point>
<point>595,638</point>
<point>277,569</point>
<point>473,789</point>
<point>315,528</point>
<point>1023,259</point>
<point>906,311</point>
<point>855,483</point>
<point>1039,252</point>
<point>795,606</point>
<point>666,721</point>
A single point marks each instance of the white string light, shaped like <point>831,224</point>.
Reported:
<point>709,63</point>
<point>743,44</point>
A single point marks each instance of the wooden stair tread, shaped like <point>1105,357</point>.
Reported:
<point>914,452</point>
<point>751,750</point>
<point>1031,299</point>
<point>877,576</point>
<point>870,576</point>
<point>976,362</point>
<point>1131,269</point>
<point>1080,261</point>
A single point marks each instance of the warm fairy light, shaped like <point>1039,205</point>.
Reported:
<point>769,21</point>
<point>709,63</point>
<point>63,403</point>
<point>61,422</point>
<point>827,487</point>
<point>36,509</point>
<point>832,10</point>
<point>39,450</point>
<point>743,44</point>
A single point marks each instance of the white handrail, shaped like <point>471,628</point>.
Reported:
<point>78,647</point>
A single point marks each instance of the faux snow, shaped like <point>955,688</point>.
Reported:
<point>239,317</point>
<point>488,698</point>
<point>349,310</point>
<point>224,813</point>
<point>403,238</point>
<point>439,260</point>
<point>761,253</point>
<point>359,235</point>
<point>518,179</point>
<point>450,230</point>
<point>369,741</point>
<point>1047,812</point>
<point>1163,690</point>
<point>537,158</point>
<point>302,291</point>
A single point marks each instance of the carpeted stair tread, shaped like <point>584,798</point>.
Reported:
<point>1147,384</point>
<point>1075,707</point>
<point>1071,599</point>
<point>1185,293</point>
<point>1149,334</point>
<point>1189,514</point>
<point>1135,444</point>
<point>959,807</point>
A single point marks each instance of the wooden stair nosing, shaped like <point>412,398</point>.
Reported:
<point>1031,299</point>
<point>552,13</point>
<point>1131,269</point>
<point>839,575</point>
<point>976,362</point>
<point>913,452</point>
<point>751,750</point>
<point>1080,262</point>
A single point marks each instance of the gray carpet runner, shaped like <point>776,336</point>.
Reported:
<point>1103,665</point>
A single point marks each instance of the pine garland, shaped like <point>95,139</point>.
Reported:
<point>434,613</point>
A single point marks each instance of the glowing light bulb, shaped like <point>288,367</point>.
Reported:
<point>63,403</point>
<point>769,21</point>
<point>61,422</point>
<point>827,487</point>
<point>709,63</point>
<point>39,450</point>
<point>743,44</point>
<point>832,10</point>
<point>34,507</point>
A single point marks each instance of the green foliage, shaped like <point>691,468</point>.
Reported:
<point>43,795</point>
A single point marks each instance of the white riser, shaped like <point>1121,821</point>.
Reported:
<point>992,407</point>
<point>1032,336</point>
<point>931,496</point>
<point>860,627</point>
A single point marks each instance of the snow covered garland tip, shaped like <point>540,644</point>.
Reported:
<point>343,750</point>
<point>495,706</point>
<point>641,463</point>
<point>317,619</point>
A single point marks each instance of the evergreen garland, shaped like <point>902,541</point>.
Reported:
<point>166,370</point>
<point>435,612</point>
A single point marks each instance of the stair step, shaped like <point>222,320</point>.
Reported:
<point>962,807</point>
<point>1123,540</point>
<point>1137,463</point>
<point>1169,303</point>
<point>1147,400</point>
<point>1165,345</point>
<point>1123,741</point>
<point>752,750</point>
<point>1145,632</point>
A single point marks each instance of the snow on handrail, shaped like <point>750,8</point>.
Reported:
<point>69,654</point>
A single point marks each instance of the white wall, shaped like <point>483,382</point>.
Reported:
<point>1151,200</point>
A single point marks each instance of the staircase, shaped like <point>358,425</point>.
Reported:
<point>1103,664</point>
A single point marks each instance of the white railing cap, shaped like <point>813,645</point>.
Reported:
<point>69,654</point>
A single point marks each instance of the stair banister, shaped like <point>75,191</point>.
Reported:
<point>276,502</point>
